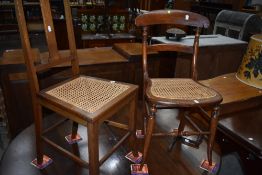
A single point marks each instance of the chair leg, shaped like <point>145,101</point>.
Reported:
<point>144,114</point>
<point>149,131</point>
<point>38,132</point>
<point>213,128</point>
<point>73,136</point>
<point>74,130</point>
<point>182,123</point>
<point>93,149</point>
<point>181,127</point>
<point>132,118</point>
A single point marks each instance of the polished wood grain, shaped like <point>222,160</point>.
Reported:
<point>94,55</point>
<point>243,128</point>
<point>132,51</point>
<point>49,29</point>
<point>237,96</point>
<point>16,56</point>
<point>178,16</point>
<point>240,119</point>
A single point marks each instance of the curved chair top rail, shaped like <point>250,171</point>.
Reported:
<point>179,17</point>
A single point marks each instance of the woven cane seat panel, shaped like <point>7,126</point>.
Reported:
<point>180,89</point>
<point>87,93</point>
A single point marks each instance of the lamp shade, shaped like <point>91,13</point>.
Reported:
<point>250,70</point>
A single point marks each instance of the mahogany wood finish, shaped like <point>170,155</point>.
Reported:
<point>241,106</point>
<point>240,120</point>
<point>151,101</point>
<point>237,96</point>
<point>89,43</point>
<point>41,99</point>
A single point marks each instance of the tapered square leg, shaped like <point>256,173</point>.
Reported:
<point>93,150</point>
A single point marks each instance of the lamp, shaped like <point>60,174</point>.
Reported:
<point>250,70</point>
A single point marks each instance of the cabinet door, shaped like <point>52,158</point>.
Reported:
<point>17,97</point>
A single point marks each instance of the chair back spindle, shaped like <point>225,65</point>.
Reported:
<point>49,30</point>
<point>195,55</point>
<point>54,56</point>
<point>27,49</point>
<point>71,38</point>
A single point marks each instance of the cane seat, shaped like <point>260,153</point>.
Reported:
<point>87,93</point>
<point>186,90</point>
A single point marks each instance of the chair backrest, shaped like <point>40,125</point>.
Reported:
<point>54,57</point>
<point>176,17</point>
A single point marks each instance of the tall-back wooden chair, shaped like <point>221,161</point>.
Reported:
<point>182,93</point>
<point>85,100</point>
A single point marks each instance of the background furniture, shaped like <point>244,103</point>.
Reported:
<point>102,62</point>
<point>8,23</point>
<point>110,21</point>
<point>100,13</point>
<point>210,9</point>
<point>122,63</point>
<point>240,120</point>
<point>217,55</point>
<point>239,25</point>
<point>257,4</point>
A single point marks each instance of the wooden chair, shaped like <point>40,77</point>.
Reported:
<point>84,100</point>
<point>186,94</point>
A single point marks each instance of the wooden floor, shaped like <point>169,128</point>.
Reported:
<point>181,160</point>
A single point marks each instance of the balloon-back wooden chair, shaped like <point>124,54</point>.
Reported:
<point>182,93</point>
<point>85,100</point>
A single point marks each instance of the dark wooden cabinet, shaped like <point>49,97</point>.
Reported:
<point>103,23</point>
<point>105,40</point>
<point>218,55</point>
<point>17,98</point>
<point>8,22</point>
<point>95,25</point>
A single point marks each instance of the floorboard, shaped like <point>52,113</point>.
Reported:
<point>181,160</point>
